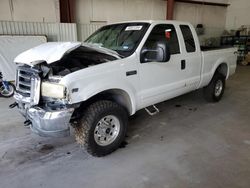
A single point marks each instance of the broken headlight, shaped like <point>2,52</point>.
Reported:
<point>53,90</point>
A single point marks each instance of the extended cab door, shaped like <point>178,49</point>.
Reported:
<point>191,61</point>
<point>160,81</point>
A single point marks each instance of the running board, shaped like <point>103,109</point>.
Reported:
<point>152,113</point>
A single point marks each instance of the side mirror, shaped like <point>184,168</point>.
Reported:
<point>159,54</point>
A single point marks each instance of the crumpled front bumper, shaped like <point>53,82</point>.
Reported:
<point>50,123</point>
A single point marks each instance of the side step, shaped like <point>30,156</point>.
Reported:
<point>153,111</point>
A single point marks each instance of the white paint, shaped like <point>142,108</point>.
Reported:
<point>133,28</point>
<point>101,49</point>
<point>238,14</point>
<point>167,80</point>
<point>54,51</point>
<point>151,84</point>
<point>49,52</point>
<point>154,82</point>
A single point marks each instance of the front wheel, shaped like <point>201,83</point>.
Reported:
<point>215,89</point>
<point>7,89</point>
<point>102,128</point>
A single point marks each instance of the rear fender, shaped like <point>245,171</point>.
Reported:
<point>220,66</point>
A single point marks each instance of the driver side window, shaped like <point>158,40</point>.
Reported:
<point>165,33</point>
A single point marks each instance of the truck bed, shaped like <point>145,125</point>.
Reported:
<point>209,48</point>
<point>213,56</point>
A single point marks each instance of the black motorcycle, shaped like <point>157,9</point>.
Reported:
<point>7,89</point>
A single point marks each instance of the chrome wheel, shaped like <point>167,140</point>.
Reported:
<point>107,130</point>
<point>218,88</point>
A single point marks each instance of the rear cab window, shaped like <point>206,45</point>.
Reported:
<point>188,38</point>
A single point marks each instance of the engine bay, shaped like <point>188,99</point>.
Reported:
<point>80,58</point>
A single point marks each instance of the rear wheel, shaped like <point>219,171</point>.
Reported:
<point>215,89</point>
<point>102,128</point>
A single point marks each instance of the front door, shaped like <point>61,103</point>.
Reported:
<point>160,81</point>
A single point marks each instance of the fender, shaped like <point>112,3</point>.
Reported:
<point>220,62</point>
<point>88,89</point>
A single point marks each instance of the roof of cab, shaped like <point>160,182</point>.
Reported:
<point>152,21</point>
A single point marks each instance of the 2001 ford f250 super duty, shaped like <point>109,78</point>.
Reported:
<point>121,68</point>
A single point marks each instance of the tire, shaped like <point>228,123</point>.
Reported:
<point>215,89</point>
<point>93,124</point>
<point>11,91</point>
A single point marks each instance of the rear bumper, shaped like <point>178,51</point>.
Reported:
<point>50,123</point>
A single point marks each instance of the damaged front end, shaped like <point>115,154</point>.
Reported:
<point>40,97</point>
<point>43,101</point>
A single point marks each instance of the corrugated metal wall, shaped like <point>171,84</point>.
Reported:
<point>53,31</point>
<point>85,30</point>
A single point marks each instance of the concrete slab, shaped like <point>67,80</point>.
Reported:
<point>191,143</point>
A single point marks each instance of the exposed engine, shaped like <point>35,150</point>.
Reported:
<point>78,59</point>
<point>30,79</point>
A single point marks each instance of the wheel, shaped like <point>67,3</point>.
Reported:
<point>215,89</point>
<point>102,128</point>
<point>7,92</point>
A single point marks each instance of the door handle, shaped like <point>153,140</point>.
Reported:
<point>183,64</point>
<point>129,73</point>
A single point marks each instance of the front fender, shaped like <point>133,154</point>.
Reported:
<point>86,90</point>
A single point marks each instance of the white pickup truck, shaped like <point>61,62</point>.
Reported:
<point>121,68</point>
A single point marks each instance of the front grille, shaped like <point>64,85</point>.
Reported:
<point>24,82</point>
<point>28,83</point>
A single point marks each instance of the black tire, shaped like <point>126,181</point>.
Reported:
<point>9,94</point>
<point>210,90</point>
<point>88,123</point>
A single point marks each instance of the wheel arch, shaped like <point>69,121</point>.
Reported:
<point>223,69</point>
<point>119,96</point>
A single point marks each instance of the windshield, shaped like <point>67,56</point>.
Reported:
<point>122,38</point>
